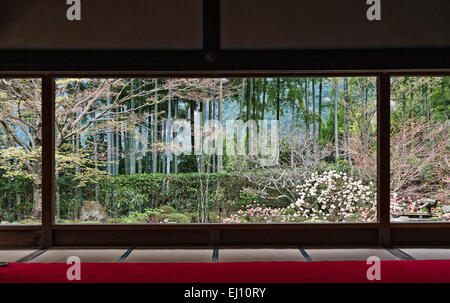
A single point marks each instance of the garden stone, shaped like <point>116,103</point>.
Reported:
<point>428,201</point>
<point>93,211</point>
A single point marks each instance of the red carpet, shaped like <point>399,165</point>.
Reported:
<point>435,271</point>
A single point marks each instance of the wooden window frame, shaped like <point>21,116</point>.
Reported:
<point>211,61</point>
<point>381,233</point>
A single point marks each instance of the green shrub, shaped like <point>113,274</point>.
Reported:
<point>137,217</point>
<point>166,209</point>
<point>177,218</point>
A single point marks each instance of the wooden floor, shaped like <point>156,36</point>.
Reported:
<point>212,255</point>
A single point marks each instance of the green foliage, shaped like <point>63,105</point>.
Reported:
<point>165,214</point>
<point>126,195</point>
<point>153,197</point>
<point>177,218</point>
<point>129,198</point>
<point>166,209</point>
<point>12,189</point>
<point>137,217</point>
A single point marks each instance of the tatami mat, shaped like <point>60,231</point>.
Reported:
<point>428,253</point>
<point>207,255</point>
<point>85,255</point>
<point>14,255</point>
<point>170,256</point>
<point>353,254</point>
<point>260,255</point>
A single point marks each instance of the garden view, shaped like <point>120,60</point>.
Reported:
<point>225,150</point>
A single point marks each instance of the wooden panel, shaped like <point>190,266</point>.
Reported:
<point>420,235</point>
<point>20,238</point>
<point>140,237</point>
<point>300,237</point>
<point>331,24</point>
<point>104,24</point>
<point>207,236</point>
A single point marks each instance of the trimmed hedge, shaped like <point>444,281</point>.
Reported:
<point>124,194</point>
<point>180,191</point>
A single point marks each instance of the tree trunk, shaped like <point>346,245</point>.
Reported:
<point>97,187</point>
<point>431,116</point>
<point>347,111</point>
<point>202,135</point>
<point>278,100</point>
<point>37,197</point>
<point>169,132</point>
<point>155,131</point>
<point>132,134</point>
<point>306,108</point>
<point>241,103</point>
<point>214,144</point>
<point>263,107</point>
<point>118,151</point>
<point>192,117</point>
<point>404,102</point>
<point>314,108</point>
<point>109,143</point>
<point>175,157</point>
<point>58,198</point>
<point>139,137</point>
<point>249,95</point>
<point>278,112</point>
<point>292,133</point>
<point>254,98</point>
<point>219,158</point>
<point>320,109</point>
<point>208,151</point>
<point>336,139</point>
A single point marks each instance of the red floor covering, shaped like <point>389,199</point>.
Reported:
<point>430,271</point>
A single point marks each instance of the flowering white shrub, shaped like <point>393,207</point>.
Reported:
<point>258,214</point>
<point>334,197</point>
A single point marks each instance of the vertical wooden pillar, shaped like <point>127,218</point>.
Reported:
<point>48,160</point>
<point>383,158</point>
<point>211,28</point>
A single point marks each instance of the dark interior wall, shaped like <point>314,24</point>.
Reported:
<point>105,24</point>
<point>335,24</point>
<point>244,24</point>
